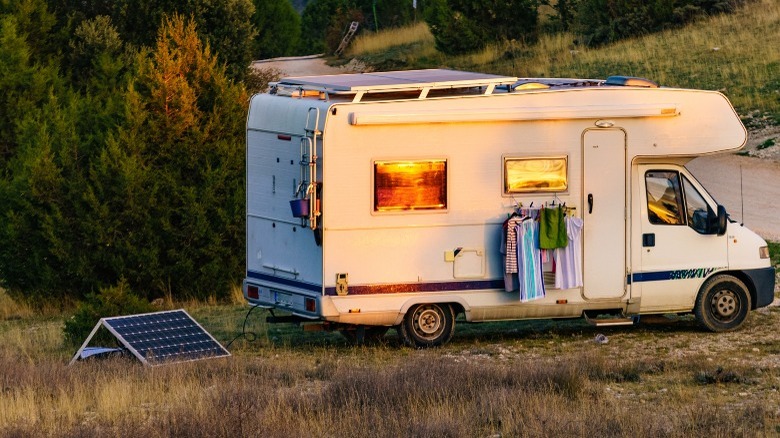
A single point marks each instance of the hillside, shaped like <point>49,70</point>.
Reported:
<point>738,54</point>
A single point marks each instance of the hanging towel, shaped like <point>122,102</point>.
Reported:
<point>552,229</point>
<point>531,282</point>
<point>568,261</point>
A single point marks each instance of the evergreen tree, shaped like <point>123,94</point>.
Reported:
<point>315,20</point>
<point>187,130</point>
<point>225,24</point>
<point>25,85</point>
<point>141,179</point>
<point>278,29</point>
<point>461,26</point>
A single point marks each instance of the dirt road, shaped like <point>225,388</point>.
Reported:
<point>760,189</point>
<point>302,66</point>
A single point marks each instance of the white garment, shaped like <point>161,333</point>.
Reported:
<point>568,260</point>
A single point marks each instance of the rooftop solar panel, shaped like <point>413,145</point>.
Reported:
<point>398,79</point>
<point>161,337</point>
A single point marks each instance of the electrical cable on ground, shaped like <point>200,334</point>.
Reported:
<point>250,336</point>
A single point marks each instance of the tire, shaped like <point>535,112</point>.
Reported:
<point>428,325</point>
<point>372,334</point>
<point>723,304</point>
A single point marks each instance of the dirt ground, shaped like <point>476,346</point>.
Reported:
<point>753,193</point>
<point>304,66</point>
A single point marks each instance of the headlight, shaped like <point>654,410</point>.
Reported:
<point>763,252</point>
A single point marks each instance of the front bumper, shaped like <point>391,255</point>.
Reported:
<point>763,280</point>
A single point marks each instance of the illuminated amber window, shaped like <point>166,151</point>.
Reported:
<point>410,185</point>
<point>526,175</point>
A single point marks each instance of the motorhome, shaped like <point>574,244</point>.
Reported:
<point>406,199</point>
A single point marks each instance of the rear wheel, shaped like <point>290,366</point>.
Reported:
<point>723,304</point>
<point>428,325</point>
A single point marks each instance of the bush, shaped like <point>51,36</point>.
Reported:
<point>462,26</point>
<point>112,301</point>
<point>605,21</point>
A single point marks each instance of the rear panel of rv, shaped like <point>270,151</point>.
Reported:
<point>283,260</point>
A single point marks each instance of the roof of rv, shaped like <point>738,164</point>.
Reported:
<point>419,84</point>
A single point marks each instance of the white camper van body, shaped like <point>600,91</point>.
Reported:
<point>353,260</point>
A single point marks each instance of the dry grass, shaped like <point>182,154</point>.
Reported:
<point>12,309</point>
<point>381,41</point>
<point>738,54</point>
<point>520,379</point>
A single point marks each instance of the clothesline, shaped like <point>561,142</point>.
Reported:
<point>530,235</point>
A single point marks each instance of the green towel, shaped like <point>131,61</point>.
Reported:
<point>552,229</point>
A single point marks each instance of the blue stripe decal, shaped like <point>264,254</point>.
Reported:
<point>677,274</point>
<point>285,281</point>
<point>445,286</point>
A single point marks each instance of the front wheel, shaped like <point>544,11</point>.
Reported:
<point>723,304</point>
<point>428,325</point>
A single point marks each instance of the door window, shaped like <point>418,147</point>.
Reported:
<point>664,198</point>
<point>696,208</point>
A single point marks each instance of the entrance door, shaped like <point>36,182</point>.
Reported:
<point>604,213</point>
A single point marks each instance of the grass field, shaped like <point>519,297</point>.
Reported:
<point>663,378</point>
<point>738,54</point>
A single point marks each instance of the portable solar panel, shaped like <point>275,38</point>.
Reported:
<point>160,338</point>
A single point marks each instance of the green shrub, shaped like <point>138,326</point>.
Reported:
<point>463,26</point>
<point>111,301</point>
<point>605,21</point>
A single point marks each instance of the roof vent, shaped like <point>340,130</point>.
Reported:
<point>630,81</point>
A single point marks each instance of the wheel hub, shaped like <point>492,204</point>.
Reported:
<point>725,305</point>
<point>428,322</point>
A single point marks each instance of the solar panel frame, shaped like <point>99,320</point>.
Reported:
<point>378,81</point>
<point>161,338</point>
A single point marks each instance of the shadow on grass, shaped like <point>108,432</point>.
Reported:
<point>532,332</point>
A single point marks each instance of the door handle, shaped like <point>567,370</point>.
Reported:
<point>590,203</point>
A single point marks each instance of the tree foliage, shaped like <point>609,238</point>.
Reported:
<point>225,24</point>
<point>324,22</point>
<point>604,21</point>
<point>278,29</point>
<point>461,26</point>
<point>140,178</point>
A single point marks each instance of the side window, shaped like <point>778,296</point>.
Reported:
<point>528,175</point>
<point>664,198</point>
<point>410,185</point>
<point>696,209</point>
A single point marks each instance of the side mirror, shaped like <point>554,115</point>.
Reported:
<point>722,220</point>
<point>716,223</point>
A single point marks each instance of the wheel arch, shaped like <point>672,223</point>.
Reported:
<point>741,276</point>
<point>459,305</point>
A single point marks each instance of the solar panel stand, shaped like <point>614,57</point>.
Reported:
<point>157,341</point>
